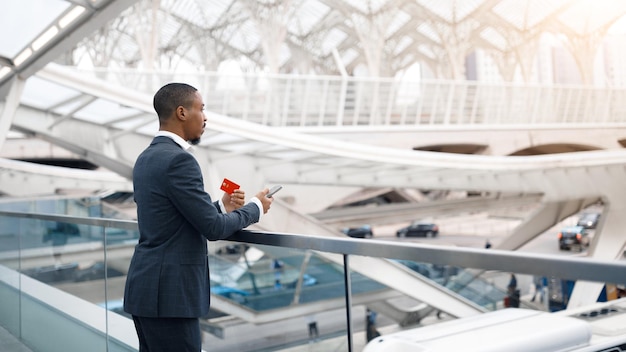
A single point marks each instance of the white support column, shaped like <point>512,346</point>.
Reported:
<point>10,107</point>
<point>371,33</point>
<point>344,87</point>
<point>584,49</point>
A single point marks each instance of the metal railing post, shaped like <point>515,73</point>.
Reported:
<point>348,288</point>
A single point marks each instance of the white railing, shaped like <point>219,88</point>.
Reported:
<point>306,101</point>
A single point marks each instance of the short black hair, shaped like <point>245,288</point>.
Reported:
<point>171,96</point>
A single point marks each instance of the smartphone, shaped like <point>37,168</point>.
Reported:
<point>273,190</point>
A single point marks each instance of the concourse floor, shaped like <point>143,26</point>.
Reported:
<point>10,343</point>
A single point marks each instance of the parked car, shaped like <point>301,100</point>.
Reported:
<point>231,249</point>
<point>573,237</point>
<point>364,231</point>
<point>419,228</point>
<point>588,220</point>
<point>232,293</point>
<point>424,269</point>
<point>97,271</point>
<point>307,280</point>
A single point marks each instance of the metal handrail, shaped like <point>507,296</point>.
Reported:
<point>573,268</point>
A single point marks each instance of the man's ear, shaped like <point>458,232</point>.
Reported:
<point>180,113</point>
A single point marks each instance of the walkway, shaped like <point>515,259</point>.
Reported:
<point>10,343</point>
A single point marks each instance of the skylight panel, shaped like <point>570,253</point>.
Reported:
<point>103,111</point>
<point>404,42</point>
<point>426,51</point>
<point>452,11</point>
<point>332,40</point>
<point>202,13</point>
<point>494,37</point>
<point>408,60</point>
<point>169,28</point>
<point>150,129</point>
<point>524,14</point>
<point>619,27</point>
<point>245,37</point>
<point>284,55</point>
<point>428,31</point>
<point>349,56</point>
<point>72,105</point>
<point>586,16</point>
<point>127,48</point>
<point>133,121</point>
<point>367,6</point>
<point>399,20</point>
<point>44,94</point>
<point>307,16</point>
<point>32,17</point>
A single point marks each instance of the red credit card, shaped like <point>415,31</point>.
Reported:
<point>229,186</point>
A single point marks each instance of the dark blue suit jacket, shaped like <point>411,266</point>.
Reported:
<point>168,274</point>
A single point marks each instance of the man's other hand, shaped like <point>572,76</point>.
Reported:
<point>234,200</point>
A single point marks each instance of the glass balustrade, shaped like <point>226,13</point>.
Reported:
<point>62,280</point>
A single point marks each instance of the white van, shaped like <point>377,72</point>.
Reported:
<point>599,327</point>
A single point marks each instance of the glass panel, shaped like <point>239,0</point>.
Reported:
<point>64,273</point>
<point>471,285</point>
<point>281,278</point>
<point>9,275</point>
<point>264,297</point>
<point>118,248</point>
<point>56,282</point>
<point>284,289</point>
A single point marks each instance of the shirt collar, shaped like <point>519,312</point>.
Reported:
<point>178,139</point>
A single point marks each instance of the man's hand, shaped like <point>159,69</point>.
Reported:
<point>267,202</point>
<point>234,201</point>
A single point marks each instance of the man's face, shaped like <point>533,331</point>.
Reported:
<point>196,121</point>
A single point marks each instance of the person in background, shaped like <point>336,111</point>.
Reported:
<point>538,282</point>
<point>513,298</point>
<point>370,325</point>
<point>278,268</point>
<point>512,282</point>
<point>167,286</point>
<point>314,334</point>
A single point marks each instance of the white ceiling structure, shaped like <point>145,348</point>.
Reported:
<point>109,125</point>
<point>383,36</point>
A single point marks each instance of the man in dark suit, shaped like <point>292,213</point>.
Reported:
<point>167,287</point>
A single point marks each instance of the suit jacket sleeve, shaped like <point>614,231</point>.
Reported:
<point>187,193</point>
